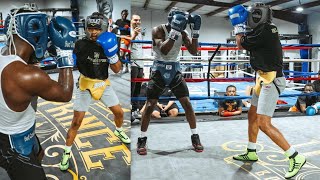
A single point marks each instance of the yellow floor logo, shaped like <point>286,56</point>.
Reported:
<point>272,163</point>
<point>96,148</point>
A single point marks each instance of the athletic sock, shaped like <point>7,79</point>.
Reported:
<point>119,129</point>
<point>290,152</point>
<point>194,131</point>
<point>67,149</point>
<point>252,145</point>
<point>143,134</point>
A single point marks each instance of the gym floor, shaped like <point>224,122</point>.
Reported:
<point>96,153</point>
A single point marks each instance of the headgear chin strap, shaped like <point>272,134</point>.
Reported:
<point>30,27</point>
<point>96,20</point>
<point>175,11</point>
<point>259,14</point>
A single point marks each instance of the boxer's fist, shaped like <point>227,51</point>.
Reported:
<point>238,15</point>
<point>178,24</point>
<point>195,24</point>
<point>63,36</point>
<point>62,33</point>
<point>108,42</point>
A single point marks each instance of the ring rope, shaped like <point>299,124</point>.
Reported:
<point>230,45</point>
<point>244,79</point>
<point>223,97</point>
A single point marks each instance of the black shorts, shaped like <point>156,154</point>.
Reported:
<point>174,105</point>
<point>20,167</point>
<point>156,86</point>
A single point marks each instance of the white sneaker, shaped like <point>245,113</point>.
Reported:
<point>137,114</point>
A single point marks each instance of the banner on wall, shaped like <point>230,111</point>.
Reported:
<point>105,7</point>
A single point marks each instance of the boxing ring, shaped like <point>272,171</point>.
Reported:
<point>206,90</point>
<point>170,154</point>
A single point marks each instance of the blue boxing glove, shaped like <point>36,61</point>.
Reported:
<point>109,43</point>
<point>195,24</point>
<point>310,111</point>
<point>178,24</point>
<point>317,106</point>
<point>63,36</point>
<point>238,17</point>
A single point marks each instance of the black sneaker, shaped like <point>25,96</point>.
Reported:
<point>142,146</point>
<point>195,139</point>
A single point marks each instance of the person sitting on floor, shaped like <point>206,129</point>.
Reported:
<point>164,108</point>
<point>304,101</point>
<point>230,107</point>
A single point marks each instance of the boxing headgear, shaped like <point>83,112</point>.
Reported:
<point>96,20</point>
<point>175,11</point>
<point>30,26</point>
<point>259,14</point>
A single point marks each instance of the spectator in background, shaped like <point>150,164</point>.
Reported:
<point>164,108</point>
<point>304,101</point>
<point>316,83</point>
<point>123,25</point>
<point>136,52</point>
<point>230,107</point>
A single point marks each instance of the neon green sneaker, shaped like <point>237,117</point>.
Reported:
<point>64,164</point>
<point>296,161</point>
<point>250,155</point>
<point>122,136</point>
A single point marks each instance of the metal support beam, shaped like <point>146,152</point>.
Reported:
<point>145,6</point>
<point>274,3</point>
<point>74,4</point>
<point>219,10</point>
<point>305,6</point>
<point>196,7</point>
<point>208,2</point>
<point>171,5</point>
<point>58,9</point>
<point>296,18</point>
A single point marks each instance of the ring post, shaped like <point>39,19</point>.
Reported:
<point>209,67</point>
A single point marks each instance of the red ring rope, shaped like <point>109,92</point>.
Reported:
<point>125,50</point>
<point>183,48</point>
<point>225,79</point>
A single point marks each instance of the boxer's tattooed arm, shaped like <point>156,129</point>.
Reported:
<point>158,38</point>
<point>191,45</point>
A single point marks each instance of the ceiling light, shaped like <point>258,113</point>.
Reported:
<point>299,9</point>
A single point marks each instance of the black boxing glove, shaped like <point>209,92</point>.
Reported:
<point>178,24</point>
<point>195,24</point>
